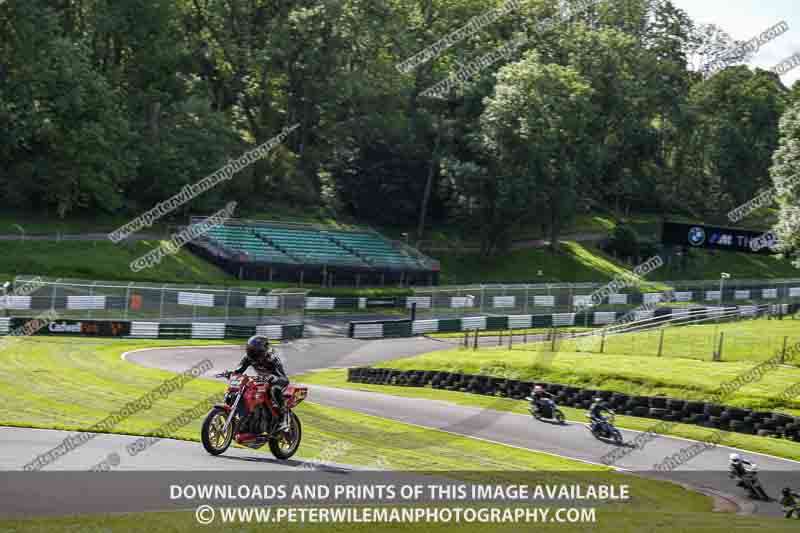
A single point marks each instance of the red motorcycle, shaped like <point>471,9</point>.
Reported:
<point>249,416</point>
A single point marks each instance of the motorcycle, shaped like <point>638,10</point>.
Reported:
<point>248,416</point>
<point>791,510</point>
<point>750,482</point>
<point>604,430</point>
<point>545,408</point>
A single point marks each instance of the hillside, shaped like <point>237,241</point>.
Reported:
<point>583,262</point>
<point>578,260</point>
<point>104,260</point>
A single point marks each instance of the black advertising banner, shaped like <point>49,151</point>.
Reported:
<point>717,238</point>
<point>97,328</point>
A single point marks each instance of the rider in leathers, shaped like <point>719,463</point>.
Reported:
<point>538,395</point>
<point>738,468</point>
<point>596,411</point>
<point>791,503</point>
<point>267,363</point>
<point>744,471</point>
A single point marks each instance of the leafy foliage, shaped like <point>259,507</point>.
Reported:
<point>111,107</point>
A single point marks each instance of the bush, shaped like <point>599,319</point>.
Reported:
<point>624,242</point>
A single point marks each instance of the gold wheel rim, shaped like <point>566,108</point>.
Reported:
<point>215,435</point>
<point>287,439</point>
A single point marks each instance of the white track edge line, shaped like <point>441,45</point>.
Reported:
<point>124,355</point>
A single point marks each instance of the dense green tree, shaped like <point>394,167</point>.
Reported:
<point>114,106</point>
<point>534,127</point>
<point>785,174</point>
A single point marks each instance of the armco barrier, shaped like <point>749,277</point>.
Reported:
<point>154,330</point>
<point>735,419</point>
<point>376,329</point>
<point>380,329</point>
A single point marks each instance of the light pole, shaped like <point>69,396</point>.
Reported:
<point>6,287</point>
<point>722,277</point>
<point>22,230</point>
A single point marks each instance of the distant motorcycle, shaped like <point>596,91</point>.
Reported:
<point>604,430</point>
<point>545,408</point>
<point>750,482</point>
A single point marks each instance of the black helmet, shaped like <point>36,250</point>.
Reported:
<point>257,346</point>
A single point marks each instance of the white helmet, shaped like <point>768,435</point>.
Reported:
<point>734,457</point>
<point>538,388</point>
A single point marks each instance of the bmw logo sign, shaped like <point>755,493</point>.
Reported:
<point>697,236</point>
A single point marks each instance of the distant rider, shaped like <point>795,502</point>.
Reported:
<point>598,407</point>
<point>738,468</point>
<point>791,503</point>
<point>745,471</point>
<point>267,363</point>
<point>539,395</point>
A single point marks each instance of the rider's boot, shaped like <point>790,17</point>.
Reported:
<point>285,424</point>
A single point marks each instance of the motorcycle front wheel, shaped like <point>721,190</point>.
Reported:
<point>285,444</point>
<point>214,441</point>
<point>560,417</point>
<point>617,436</point>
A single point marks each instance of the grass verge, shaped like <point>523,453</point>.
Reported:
<point>646,376</point>
<point>656,520</point>
<point>746,340</point>
<point>70,383</point>
<point>338,378</point>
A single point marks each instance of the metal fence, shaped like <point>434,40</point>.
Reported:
<point>150,301</point>
<point>735,334</point>
<point>545,298</point>
<point>198,303</point>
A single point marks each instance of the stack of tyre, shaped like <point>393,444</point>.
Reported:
<point>446,380</point>
<point>710,415</point>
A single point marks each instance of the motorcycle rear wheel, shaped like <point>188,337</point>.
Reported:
<point>211,435</point>
<point>285,444</point>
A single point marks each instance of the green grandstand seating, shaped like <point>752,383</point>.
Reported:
<point>376,249</point>
<point>241,239</point>
<point>279,244</point>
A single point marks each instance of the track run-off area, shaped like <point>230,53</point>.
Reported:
<point>706,472</point>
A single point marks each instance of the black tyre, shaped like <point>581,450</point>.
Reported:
<point>560,417</point>
<point>286,444</point>
<point>616,436</point>
<point>214,441</point>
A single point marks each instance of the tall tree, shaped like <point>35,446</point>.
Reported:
<point>535,128</point>
<point>785,174</point>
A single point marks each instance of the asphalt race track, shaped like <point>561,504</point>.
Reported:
<point>706,472</point>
